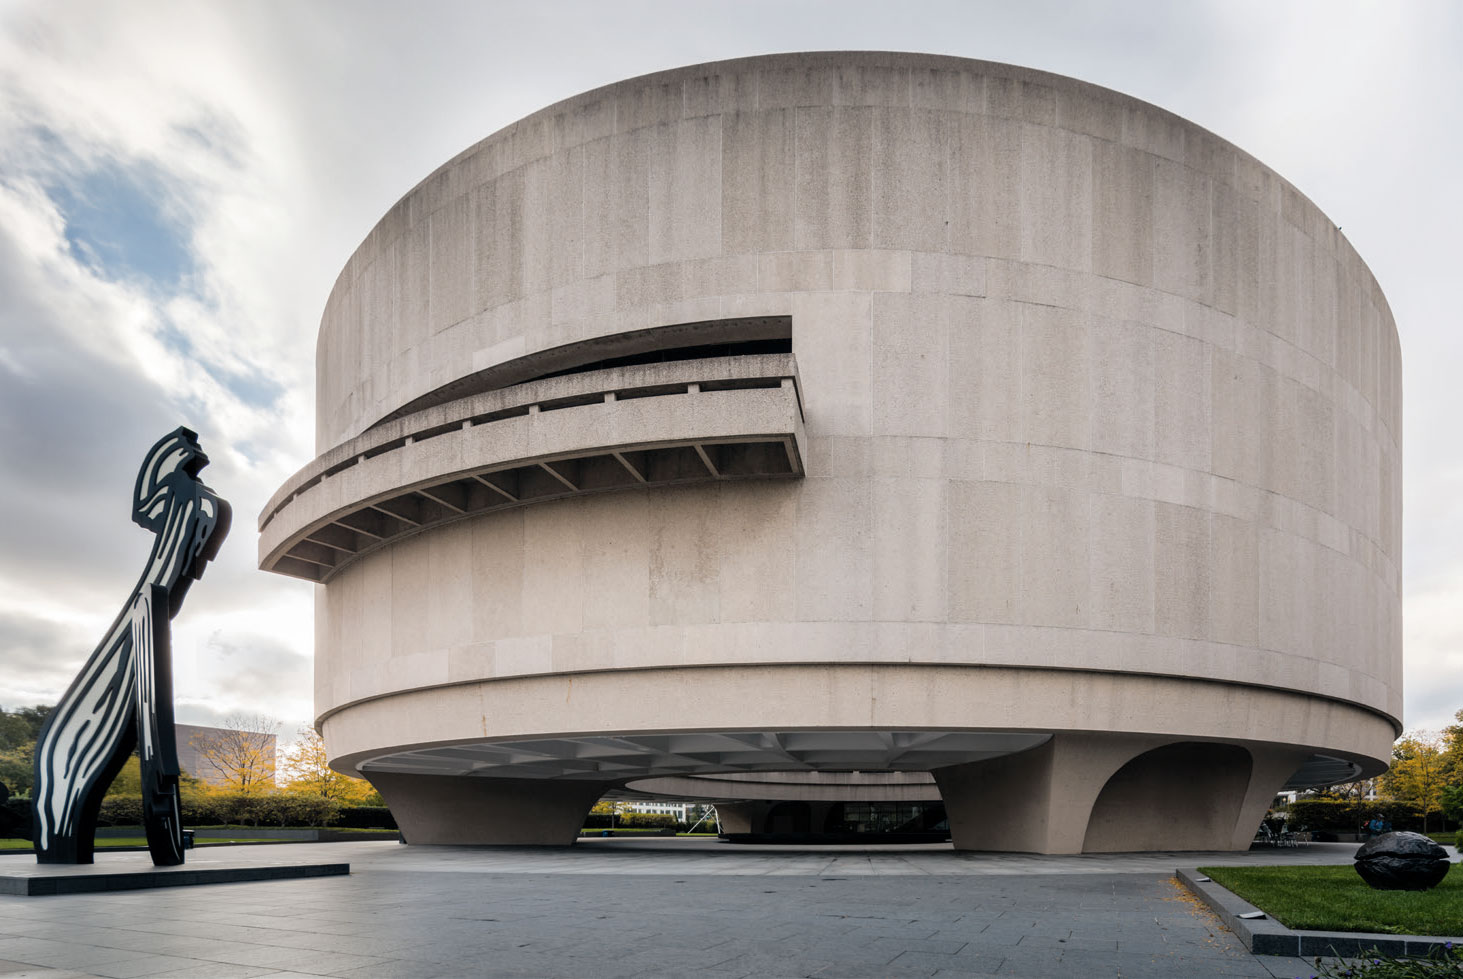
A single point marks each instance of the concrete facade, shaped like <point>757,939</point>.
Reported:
<point>1004,428</point>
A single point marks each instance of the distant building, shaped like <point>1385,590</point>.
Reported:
<point>681,810</point>
<point>193,761</point>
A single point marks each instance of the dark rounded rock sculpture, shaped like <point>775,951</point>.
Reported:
<point>1402,862</point>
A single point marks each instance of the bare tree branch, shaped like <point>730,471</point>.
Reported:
<point>240,756</point>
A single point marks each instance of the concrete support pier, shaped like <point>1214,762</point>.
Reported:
<point>520,812</point>
<point>1084,793</point>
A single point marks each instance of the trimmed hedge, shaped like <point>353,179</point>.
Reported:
<point>15,820</point>
<point>1348,816</point>
<point>125,810</point>
<point>233,809</point>
<point>631,820</point>
<point>230,809</point>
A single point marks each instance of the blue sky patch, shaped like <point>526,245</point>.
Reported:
<point>252,388</point>
<point>176,340</point>
<point>117,222</point>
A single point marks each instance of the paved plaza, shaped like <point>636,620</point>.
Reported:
<point>655,907</point>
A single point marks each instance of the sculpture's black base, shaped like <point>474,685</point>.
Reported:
<point>134,871</point>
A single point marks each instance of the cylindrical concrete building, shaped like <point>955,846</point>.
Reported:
<point>880,413</point>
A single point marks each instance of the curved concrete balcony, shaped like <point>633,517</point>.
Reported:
<point>875,765</point>
<point>622,428</point>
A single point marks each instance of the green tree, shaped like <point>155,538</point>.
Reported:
<point>1452,806</point>
<point>17,768</point>
<point>1452,761</point>
<point>612,809</point>
<point>14,732</point>
<point>21,725</point>
<point>35,717</point>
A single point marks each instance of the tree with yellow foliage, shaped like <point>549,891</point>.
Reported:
<point>614,810</point>
<point>239,757</point>
<point>1453,751</point>
<point>128,783</point>
<point>1417,772</point>
<point>306,769</point>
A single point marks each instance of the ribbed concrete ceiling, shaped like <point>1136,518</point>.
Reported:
<point>642,756</point>
<point>1321,770</point>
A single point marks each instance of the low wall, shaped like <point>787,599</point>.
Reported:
<point>283,835</point>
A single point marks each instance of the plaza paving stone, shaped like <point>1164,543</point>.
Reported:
<point>656,907</point>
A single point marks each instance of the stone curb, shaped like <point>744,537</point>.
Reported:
<point>1266,936</point>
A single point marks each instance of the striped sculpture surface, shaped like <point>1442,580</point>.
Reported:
<point>123,697</point>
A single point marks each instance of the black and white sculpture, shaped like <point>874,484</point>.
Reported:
<point>123,698</point>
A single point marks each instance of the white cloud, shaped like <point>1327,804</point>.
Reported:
<point>108,363</point>
<point>1433,639</point>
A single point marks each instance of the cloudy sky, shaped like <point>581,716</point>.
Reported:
<point>180,184</point>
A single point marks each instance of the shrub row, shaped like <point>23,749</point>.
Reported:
<point>274,809</point>
<point>1347,816</point>
<point>631,820</point>
<point>15,819</point>
<point>231,808</point>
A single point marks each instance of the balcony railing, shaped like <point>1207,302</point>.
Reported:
<point>627,427</point>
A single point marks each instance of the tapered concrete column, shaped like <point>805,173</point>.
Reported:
<point>1115,793</point>
<point>485,811</point>
<point>1270,769</point>
<point>1037,801</point>
<point>1183,796</point>
<point>742,817</point>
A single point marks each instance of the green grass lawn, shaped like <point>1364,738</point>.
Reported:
<point>1337,899</point>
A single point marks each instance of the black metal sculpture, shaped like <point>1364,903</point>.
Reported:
<point>123,697</point>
